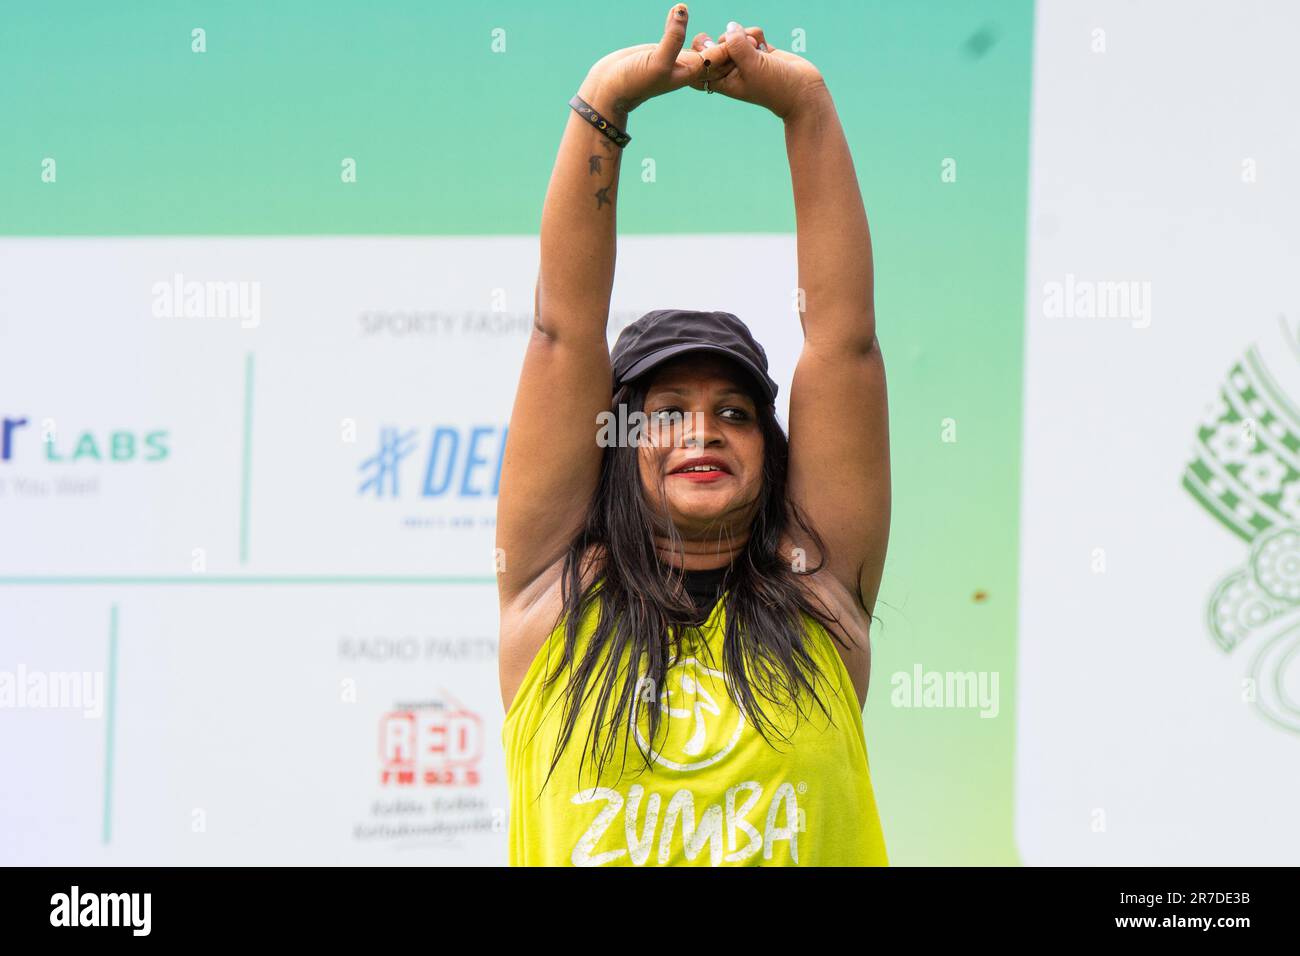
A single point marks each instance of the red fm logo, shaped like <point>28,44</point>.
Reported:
<point>434,745</point>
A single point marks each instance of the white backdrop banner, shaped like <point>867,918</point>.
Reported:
<point>247,502</point>
<point>1159,683</point>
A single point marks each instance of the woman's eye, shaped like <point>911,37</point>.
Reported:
<point>672,414</point>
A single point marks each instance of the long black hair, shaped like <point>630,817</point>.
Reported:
<point>643,606</point>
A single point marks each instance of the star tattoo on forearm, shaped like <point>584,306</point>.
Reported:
<point>594,167</point>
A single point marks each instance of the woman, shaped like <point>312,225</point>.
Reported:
<point>730,573</point>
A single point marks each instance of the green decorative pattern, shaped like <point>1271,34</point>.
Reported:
<point>1246,470</point>
<point>1246,473</point>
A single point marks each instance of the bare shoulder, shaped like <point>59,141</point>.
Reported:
<point>527,622</point>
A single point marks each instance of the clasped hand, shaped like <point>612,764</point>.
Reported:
<point>739,63</point>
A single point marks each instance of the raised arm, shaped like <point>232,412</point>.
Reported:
<point>552,461</point>
<point>839,419</point>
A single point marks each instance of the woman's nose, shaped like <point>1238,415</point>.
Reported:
<point>700,431</point>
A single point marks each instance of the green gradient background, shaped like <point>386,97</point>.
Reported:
<point>451,138</point>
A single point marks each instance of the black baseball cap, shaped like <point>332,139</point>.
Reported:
<point>664,334</point>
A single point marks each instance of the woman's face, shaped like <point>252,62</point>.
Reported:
<point>716,419</point>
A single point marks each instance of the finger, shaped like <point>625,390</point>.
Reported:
<point>713,77</point>
<point>693,73</point>
<point>719,66</point>
<point>719,63</point>
<point>710,49</point>
<point>729,85</point>
<point>749,31</point>
<point>716,58</point>
<point>697,46</point>
<point>726,70</point>
<point>743,50</point>
<point>756,33</point>
<point>717,77</point>
<point>665,55</point>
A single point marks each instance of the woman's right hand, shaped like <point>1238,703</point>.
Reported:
<point>629,77</point>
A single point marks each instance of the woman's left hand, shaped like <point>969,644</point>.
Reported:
<point>637,73</point>
<point>758,72</point>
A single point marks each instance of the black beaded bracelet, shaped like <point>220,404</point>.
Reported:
<point>585,110</point>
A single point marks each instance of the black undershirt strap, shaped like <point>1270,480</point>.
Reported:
<point>704,587</point>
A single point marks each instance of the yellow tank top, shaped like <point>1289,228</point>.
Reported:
<point>717,793</point>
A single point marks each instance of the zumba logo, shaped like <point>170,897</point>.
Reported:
<point>1245,471</point>
<point>433,744</point>
<point>701,722</point>
<point>723,830</point>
